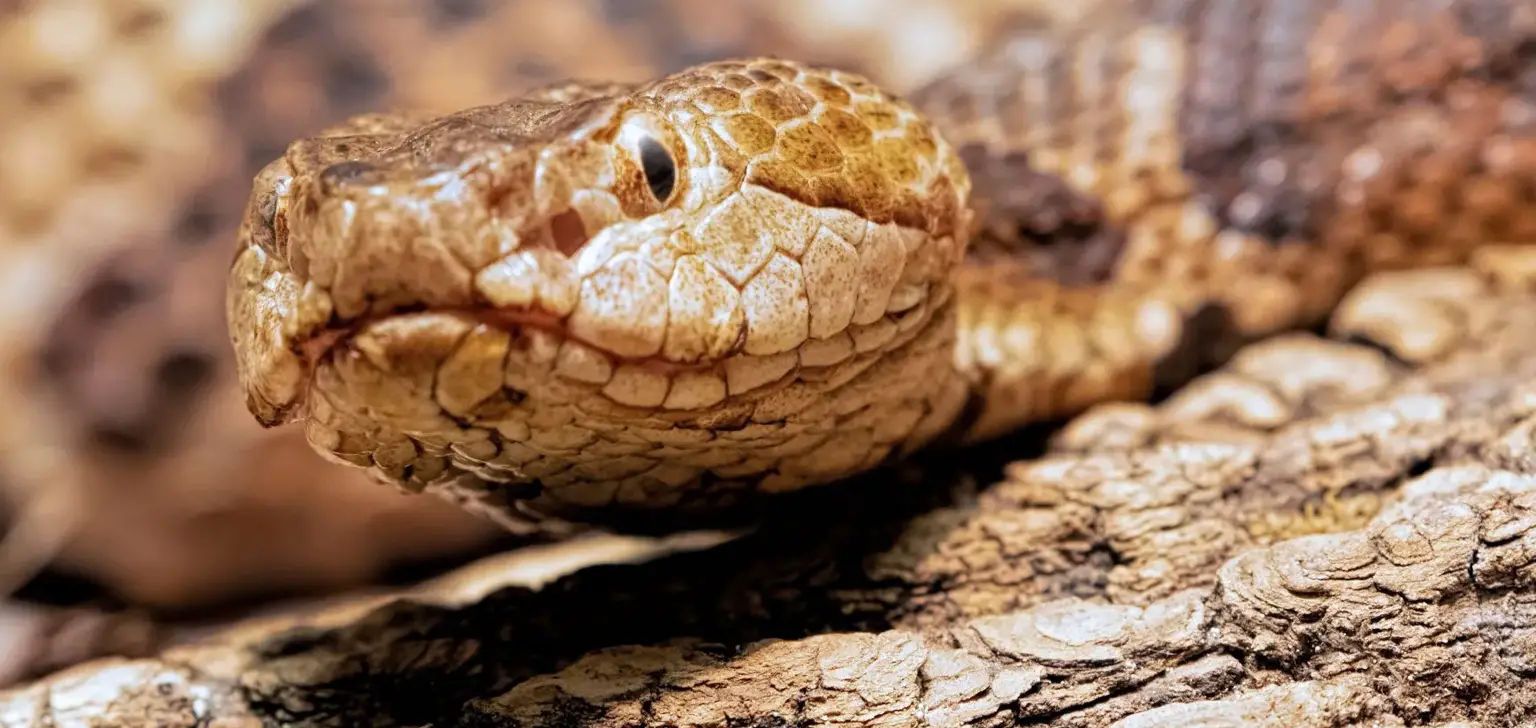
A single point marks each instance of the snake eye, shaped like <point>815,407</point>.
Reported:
<point>650,149</point>
<point>660,170</point>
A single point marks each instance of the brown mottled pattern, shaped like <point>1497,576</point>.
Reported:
<point>1175,176</point>
<point>496,304</point>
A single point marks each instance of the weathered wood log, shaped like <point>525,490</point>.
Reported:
<point>1326,532</point>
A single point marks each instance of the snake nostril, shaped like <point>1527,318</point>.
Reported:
<point>569,232</point>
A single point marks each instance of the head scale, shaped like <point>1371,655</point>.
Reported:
<point>686,252</point>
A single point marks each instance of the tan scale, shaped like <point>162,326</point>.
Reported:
<point>781,317</point>
<point>139,124</point>
<point>1105,107</point>
<point>503,305</point>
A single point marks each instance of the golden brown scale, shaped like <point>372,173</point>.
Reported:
<point>1171,178</point>
<point>139,130</point>
<point>154,448</point>
<point>745,278</point>
<point>737,278</point>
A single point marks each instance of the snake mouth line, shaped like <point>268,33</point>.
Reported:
<point>565,229</point>
<point>318,347</point>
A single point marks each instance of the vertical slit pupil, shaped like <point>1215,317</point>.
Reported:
<point>660,170</point>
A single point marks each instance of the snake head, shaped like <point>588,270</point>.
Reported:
<point>431,293</point>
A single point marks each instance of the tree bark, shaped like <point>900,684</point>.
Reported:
<point>1329,531</point>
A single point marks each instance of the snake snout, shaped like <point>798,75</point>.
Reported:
<point>612,296</point>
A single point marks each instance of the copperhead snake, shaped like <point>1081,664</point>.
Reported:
<point>751,277</point>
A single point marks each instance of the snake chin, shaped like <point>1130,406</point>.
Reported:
<point>735,277</point>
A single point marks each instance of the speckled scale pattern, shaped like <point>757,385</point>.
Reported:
<point>1215,170</point>
<point>836,139</point>
<point>140,128</point>
<point>1131,264</point>
<point>1149,189</point>
<point>782,318</point>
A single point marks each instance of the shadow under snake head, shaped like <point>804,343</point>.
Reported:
<point>737,278</point>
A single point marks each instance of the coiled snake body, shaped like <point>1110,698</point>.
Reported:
<point>755,276</point>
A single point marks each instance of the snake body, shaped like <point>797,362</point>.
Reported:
<point>754,276</point>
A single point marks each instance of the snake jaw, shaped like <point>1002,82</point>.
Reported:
<point>741,254</point>
<point>327,251</point>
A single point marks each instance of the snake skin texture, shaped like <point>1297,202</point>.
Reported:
<point>751,277</point>
<point>610,279</point>
<point>137,126</point>
<point>140,125</point>
<point>1169,179</point>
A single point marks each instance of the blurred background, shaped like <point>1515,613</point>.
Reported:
<point>132,479</point>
